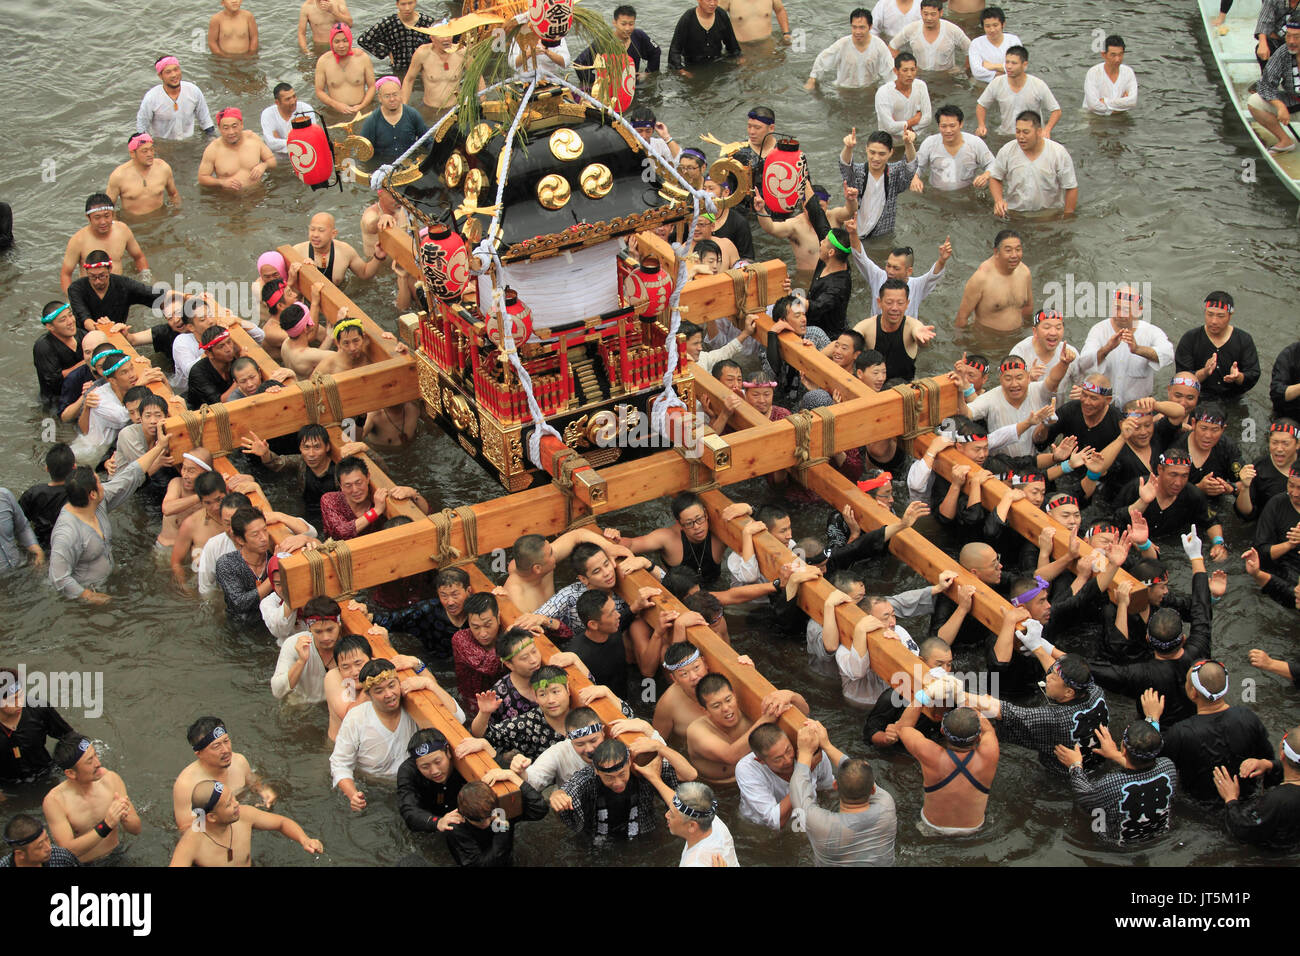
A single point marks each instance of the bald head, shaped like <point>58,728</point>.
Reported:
<point>1213,678</point>
<point>202,454</point>
<point>321,231</point>
<point>201,795</point>
<point>323,219</point>
<point>975,554</point>
<point>92,341</point>
<point>1096,378</point>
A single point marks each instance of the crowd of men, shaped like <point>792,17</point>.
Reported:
<point>1122,439</point>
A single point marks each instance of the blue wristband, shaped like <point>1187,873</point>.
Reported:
<point>1093,475</point>
<point>1066,467</point>
<point>1154,723</point>
<point>1216,540</point>
<point>923,698</point>
<point>1145,545</point>
<point>1215,598</point>
<point>968,391</point>
<point>420,668</point>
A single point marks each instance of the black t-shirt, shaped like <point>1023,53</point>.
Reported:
<point>42,504</point>
<point>1202,742</point>
<point>1271,821</point>
<point>1127,467</point>
<point>1223,461</point>
<point>51,357</point>
<point>1275,520</point>
<point>1268,483</point>
<point>122,293</point>
<point>1194,350</point>
<point>828,300</point>
<point>736,228</point>
<point>1069,421</point>
<point>1189,508</point>
<point>607,661</point>
<point>421,801</point>
<point>1166,432</point>
<point>23,755</point>
<point>207,385</point>
<point>313,487</point>
<point>164,337</point>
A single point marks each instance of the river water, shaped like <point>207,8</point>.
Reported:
<point>1161,200</point>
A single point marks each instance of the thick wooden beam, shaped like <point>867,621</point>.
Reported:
<point>397,246</point>
<point>272,414</point>
<point>378,348</point>
<point>818,369</point>
<point>1028,520</point>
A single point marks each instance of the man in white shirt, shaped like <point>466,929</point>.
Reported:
<point>372,738</point>
<point>1014,92</point>
<point>1110,86</point>
<point>560,761</point>
<point>987,54</point>
<point>763,776</point>
<point>304,658</point>
<point>952,158</point>
<point>552,59</point>
<point>888,17</point>
<point>171,109</point>
<point>1125,349</point>
<point>277,117</point>
<point>900,264</point>
<point>1014,399</point>
<point>1033,172</point>
<point>1042,348</point>
<point>937,44</point>
<point>743,566</point>
<point>905,103</point>
<point>858,60</point>
<point>858,682</point>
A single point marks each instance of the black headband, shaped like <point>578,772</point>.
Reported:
<point>82,746</point>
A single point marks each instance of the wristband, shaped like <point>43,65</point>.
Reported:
<point>1145,545</point>
<point>776,583</point>
<point>1216,540</point>
<point>420,668</point>
<point>1093,475</point>
<point>103,829</point>
<point>968,391</point>
<point>1215,599</point>
<point>1153,722</point>
<point>1066,467</point>
<point>923,698</point>
<point>370,515</point>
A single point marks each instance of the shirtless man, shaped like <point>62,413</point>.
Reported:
<point>320,15</point>
<point>200,527</point>
<point>84,811</point>
<point>531,582</point>
<point>296,351</point>
<point>798,230</point>
<point>383,213</point>
<point>214,759</point>
<point>237,158</point>
<point>345,78</point>
<point>221,831</point>
<point>752,19</point>
<point>349,343</point>
<point>391,427</point>
<point>956,776</point>
<point>719,739</point>
<point>677,709</point>
<point>181,501</point>
<point>103,231</point>
<point>142,181</point>
<point>1000,294</point>
<point>232,32</point>
<point>439,65</point>
<point>334,258</point>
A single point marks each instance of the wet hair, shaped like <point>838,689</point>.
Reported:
<point>1165,629</point>
<point>242,518</point>
<point>855,337</point>
<point>993,13</point>
<point>844,579</point>
<point>68,750</point>
<point>764,114</point>
<point>546,672</point>
<point>902,58</point>
<point>22,829</point>
<point>208,482</point>
<point>705,246</point>
<point>763,737</point>
<point>855,780</point>
<point>482,602</point>
<point>1031,117</point>
<point>236,500</point>
<point>321,606</point>
<point>96,257</point>
<point>725,364</point>
<point>1075,672</point>
<point>641,116</point>
<point>710,684</point>
<point>582,553</point>
<point>374,667</point>
<point>927,646</point>
<point>866,359</point>
<point>591,605</point>
<point>962,723</point>
<point>948,109</point>
<point>509,640</point>
<point>79,484</point>
<point>814,549</point>
<point>1145,569</point>
<point>197,731</point>
<point>678,652</point>
<point>860,13</point>
<point>937,4</point>
<point>624,10</point>
<point>350,464</point>
<point>698,797</point>
<point>148,400</point>
<point>706,605</point>
<point>527,551</point>
<point>269,288</point>
<point>1207,410</point>
<point>680,581</point>
<point>291,315</point>
<point>769,514</point>
<point>98,199</point>
<point>610,752</point>
<point>353,642</point>
<point>1141,736</point>
<point>581,717</point>
<point>243,362</point>
<point>137,393</point>
<point>1114,40</point>
<point>688,329</point>
<point>842,235</point>
<point>1005,234</point>
<point>212,332</point>
<point>59,461</point>
<point>280,88</point>
<point>894,285</point>
<point>686,499</point>
<point>434,738</point>
<point>883,138</point>
<point>1018,50</point>
<point>313,433</point>
<point>450,577</point>
<point>476,801</point>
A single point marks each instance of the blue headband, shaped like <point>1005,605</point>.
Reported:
<point>217,790</point>
<point>47,319</point>
<point>700,815</point>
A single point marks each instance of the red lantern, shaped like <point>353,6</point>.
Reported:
<point>615,87</point>
<point>783,177</point>
<point>310,152</point>
<point>444,259</point>
<point>551,18</point>
<point>518,315</point>
<point>648,288</point>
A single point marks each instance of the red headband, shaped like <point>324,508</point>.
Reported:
<point>1012,362</point>
<point>225,334</point>
<point>1042,316</point>
<point>230,111</point>
<point>1062,500</point>
<point>871,484</point>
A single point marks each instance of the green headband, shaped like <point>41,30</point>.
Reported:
<point>47,319</point>
<point>830,236</point>
<point>544,682</point>
<point>519,648</point>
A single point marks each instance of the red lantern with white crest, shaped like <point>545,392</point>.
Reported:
<point>551,19</point>
<point>444,260</point>
<point>648,288</point>
<point>310,152</point>
<point>615,86</point>
<point>518,315</point>
<point>782,184</point>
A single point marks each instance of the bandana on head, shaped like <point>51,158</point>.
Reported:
<point>302,325</point>
<point>421,750</point>
<point>102,264</point>
<point>758,384</point>
<point>953,738</point>
<point>313,618</point>
<point>1143,754</point>
<point>166,62</point>
<point>211,737</point>
<point>1160,578</point>
<point>757,117</point>
<point>1073,684</point>
<point>1189,380</point>
<point>348,324</point>
<point>276,261</point>
<point>104,368</point>
<point>871,484</point>
<point>347,32</point>
<point>684,662</point>
<point>1012,363</point>
<point>1060,500</point>
<point>386,79</point>
<point>82,746</point>
<point>94,209</point>
<point>692,813</point>
<point>195,459</point>
<point>50,317</point>
<point>612,768</point>
<point>1289,750</point>
<point>1281,427</point>
<point>218,789</point>
<point>1104,391</point>
<point>138,140</point>
<point>1130,296</point>
<point>541,683</point>
<point>1040,585</point>
<point>379,678</point>
<point>1043,316</point>
<point>29,839</point>
<point>830,237</point>
<point>694,154</point>
<point>579,732</point>
<point>821,193</point>
<point>230,111</point>
<point>1028,478</point>
<point>216,340</point>
<point>1210,418</point>
<point>1214,302</point>
<point>1195,674</point>
<point>1101,528</point>
<point>977,364</point>
<point>1174,458</point>
<point>519,649</point>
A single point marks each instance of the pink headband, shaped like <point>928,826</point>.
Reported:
<point>230,111</point>
<point>273,259</point>
<point>758,384</point>
<point>347,32</point>
<point>387,79</point>
<point>306,322</point>
<point>166,62</point>
<point>138,140</point>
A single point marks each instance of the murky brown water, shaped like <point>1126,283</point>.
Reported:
<point>1161,200</point>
